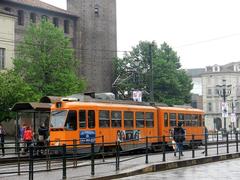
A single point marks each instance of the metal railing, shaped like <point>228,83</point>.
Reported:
<point>36,158</point>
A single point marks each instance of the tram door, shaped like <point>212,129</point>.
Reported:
<point>71,125</point>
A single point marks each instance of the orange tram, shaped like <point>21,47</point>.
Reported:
<point>109,122</point>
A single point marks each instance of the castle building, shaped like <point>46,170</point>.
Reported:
<point>90,24</point>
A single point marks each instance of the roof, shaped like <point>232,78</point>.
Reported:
<point>6,13</point>
<point>41,5</point>
<point>196,72</point>
<point>31,107</point>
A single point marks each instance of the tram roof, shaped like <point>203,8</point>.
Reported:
<point>181,108</point>
<point>32,106</point>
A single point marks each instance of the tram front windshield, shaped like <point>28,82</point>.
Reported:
<point>58,118</point>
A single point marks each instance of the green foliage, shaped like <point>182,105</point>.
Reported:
<point>46,62</point>
<point>171,84</point>
<point>13,89</point>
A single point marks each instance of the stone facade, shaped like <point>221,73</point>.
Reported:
<point>7,21</point>
<point>209,80</point>
<point>213,102</point>
<point>97,24</point>
<point>91,25</point>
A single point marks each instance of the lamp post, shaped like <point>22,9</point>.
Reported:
<point>233,115</point>
<point>224,91</point>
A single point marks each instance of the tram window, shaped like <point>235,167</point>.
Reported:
<point>128,119</point>
<point>58,119</point>
<point>173,119</point>
<point>149,119</point>
<point>91,119</point>
<point>82,119</point>
<point>140,119</point>
<point>166,119</point>
<point>71,122</point>
<point>116,119</point>
<point>187,118</point>
<point>104,119</point>
<point>194,120</point>
<point>181,118</point>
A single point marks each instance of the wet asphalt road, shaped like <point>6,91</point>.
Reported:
<point>224,170</point>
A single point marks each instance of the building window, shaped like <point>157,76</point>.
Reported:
<point>7,9</point>
<point>209,107</point>
<point>44,18</point>
<point>209,92</point>
<point>55,22</point>
<point>33,17</point>
<point>2,58</point>
<point>20,17</point>
<point>66,26</point>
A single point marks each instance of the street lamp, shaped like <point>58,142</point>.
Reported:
<point>233,115</point>
<point>224,91</point>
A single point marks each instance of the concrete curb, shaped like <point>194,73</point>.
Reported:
<point>171,165</point>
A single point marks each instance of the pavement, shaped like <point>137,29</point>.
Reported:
<point>131,165</point>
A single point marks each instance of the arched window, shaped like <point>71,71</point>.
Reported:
<point>44,17</point>
<point>33,17</point>
<point>55,22</point>
<point>66,26</point>
<point>21,17</point>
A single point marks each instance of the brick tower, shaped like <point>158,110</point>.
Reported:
<point>97,41</point>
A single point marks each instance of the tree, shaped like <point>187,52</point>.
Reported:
<point>171,84</point>
<point>46,62</point>
<point>13,89</point>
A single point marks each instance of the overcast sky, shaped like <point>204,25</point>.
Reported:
<point>202,32</point>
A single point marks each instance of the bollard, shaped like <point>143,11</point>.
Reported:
<point>236,141</point>
<point>31,162</point>
<point>164,152</point>
<point>64,175</point>
<point>146,160</point>
<point>206,141</point>
<point>48,162</point>
<point>103,149</point>
<point>217,143</point>
<point>227,142</point>
<point>117,155</point>
<point>193,150</point>
<point>74,153</point>
<point>18,157</point>
<point>92,159</point>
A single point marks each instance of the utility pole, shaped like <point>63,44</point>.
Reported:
<point>151,69</point>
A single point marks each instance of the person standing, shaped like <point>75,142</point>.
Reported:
<point>42,137</point>
<point>2,134</point>
<point>27,137</point>
<point>179,137</point>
